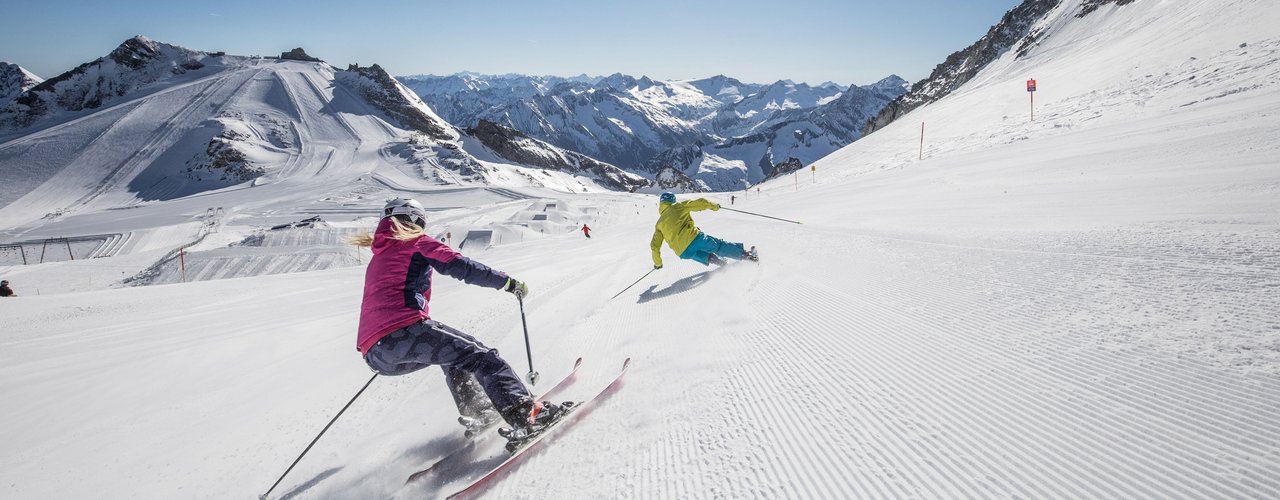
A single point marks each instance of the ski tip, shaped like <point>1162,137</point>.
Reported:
<point>626,363</point>
<point>578,362</point>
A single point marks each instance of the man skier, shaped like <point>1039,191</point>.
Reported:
<point>5,291</point>
<point>675,226</point>
<point>586,231</point>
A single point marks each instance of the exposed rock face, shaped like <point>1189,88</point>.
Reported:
<point>801,135</point>
<point>607,123</point>
<point>961,66</point>
<point>136,63</point>
<point>791,165</point>
<point>14,80</point>
<point>388,95</point>
<point>718,130</point>
<point>298,55</point>
<point>1013,32</point>
<point>222,161</point>
<point>1092,5</point>
<point>670,179</point>
<point>768,105</point>
<point>680,158</point>
<point>517,147</point>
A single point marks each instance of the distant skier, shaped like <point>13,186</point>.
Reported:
<point>397,336</point>
<point>586,231</point>
<point>732,199</point>
<point>675,226</point>
<point>5,291</point>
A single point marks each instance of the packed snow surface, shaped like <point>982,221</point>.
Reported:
<point>1086,305</point>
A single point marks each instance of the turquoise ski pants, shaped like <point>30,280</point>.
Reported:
<point>702,246</point>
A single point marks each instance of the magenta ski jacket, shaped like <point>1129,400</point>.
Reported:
<point>397,283</point>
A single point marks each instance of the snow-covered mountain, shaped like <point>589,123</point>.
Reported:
<point>788,140</point>
<point>14,80</point>
<point>759,108</point>
<point>154,122</point>
<point>633,122</point>
<point>514,146</point>
<point>1015,31</point>
<point>1078,306</point>
<point>725,89</point>
<point>461,98</point>
<point>135,64</point>
<point>620,119</point>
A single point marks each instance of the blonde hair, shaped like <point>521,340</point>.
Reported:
<point>399,230</point>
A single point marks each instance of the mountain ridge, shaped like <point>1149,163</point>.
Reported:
<point>152,122</point>
<point>633,122</point>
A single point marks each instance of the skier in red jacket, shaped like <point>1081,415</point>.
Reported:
<point>586,230</point>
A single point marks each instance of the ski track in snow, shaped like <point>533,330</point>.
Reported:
<point>925,370</point>
<point>1084,306</point>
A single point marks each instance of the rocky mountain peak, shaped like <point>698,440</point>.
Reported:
<point>1013,29</point>
<point>14,80</point>
<point>670,179</point>
<point>299,55</point>
<point>381,90</point>
<point>135,52</point>
<point>136,63</point>
<point>513,145</point>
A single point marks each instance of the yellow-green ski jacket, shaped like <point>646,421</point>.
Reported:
<point>675,225</point>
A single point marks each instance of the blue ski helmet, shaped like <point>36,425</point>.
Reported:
<point>667,197</point>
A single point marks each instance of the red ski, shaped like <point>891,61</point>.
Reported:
<point>536,441</point>
<point>463,454</point>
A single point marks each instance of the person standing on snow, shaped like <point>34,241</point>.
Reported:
<point>675,226</point>
<point>5,291</point>
<point>586,231</point>
<point>397,336</point>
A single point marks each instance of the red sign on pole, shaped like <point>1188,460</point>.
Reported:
<point>1031,89</point>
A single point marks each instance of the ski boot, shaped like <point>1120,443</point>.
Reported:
<point>530,420</point>
<point>476,424</point>
<point>751,255</point>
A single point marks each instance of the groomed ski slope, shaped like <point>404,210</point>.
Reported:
<point>1081,307</point>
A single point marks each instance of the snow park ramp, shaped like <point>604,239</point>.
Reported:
<point>477,239</point>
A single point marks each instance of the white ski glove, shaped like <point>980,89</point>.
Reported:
<point>517,288</point>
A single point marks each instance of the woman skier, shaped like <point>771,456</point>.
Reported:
<point>397,336</point>
<point>675,226</point>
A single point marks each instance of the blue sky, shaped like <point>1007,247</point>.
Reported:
<point>846,41</point>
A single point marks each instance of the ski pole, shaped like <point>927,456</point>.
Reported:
<point>533,376</point>
<point>646,275</point>
<point>322,431</point>
<point>759,215</point>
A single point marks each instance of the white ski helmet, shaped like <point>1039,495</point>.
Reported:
<point>409,208</point>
